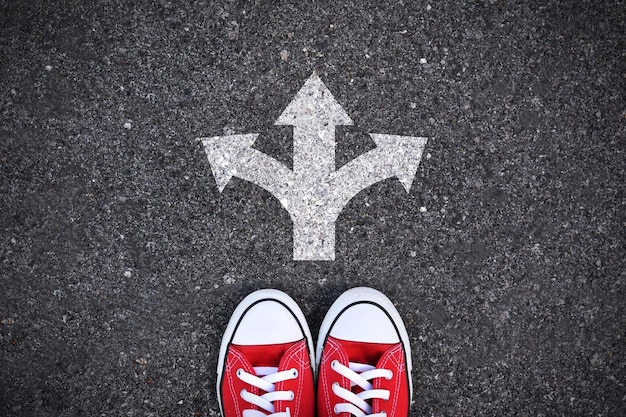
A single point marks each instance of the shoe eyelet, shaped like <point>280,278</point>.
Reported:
<point>292,396</point>
<point>295,372</point>
<point>335,410</point>
<point>239,372</point>
<point>334,363</point>
<point>243,392</point>
<point>390,377</point>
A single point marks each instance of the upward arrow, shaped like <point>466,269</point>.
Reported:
<point>314,113</point>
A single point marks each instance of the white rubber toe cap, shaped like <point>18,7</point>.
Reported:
<point>365,322</point>
<point>364,315</point>
<point>267,322</point>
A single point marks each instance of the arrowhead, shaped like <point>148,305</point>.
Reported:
<point>314,104</point>
<point>404,153</point>
<point>224,153</point>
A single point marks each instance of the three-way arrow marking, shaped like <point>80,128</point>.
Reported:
<point>314,192</point>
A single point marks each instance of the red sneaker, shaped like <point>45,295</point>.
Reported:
<point>364,358</point>
<point>264,367</point>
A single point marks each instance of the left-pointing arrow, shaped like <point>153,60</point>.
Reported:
<point>234,156</point>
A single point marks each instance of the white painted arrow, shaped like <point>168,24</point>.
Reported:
<point>313,192</point>
<point>394,156</point>
<point>314,113</point>
<point>233,156</point>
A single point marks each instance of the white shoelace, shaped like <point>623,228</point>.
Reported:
<point>265,379</point>
<point>360,374</point>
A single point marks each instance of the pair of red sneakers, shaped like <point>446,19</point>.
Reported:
<point>363,365</point>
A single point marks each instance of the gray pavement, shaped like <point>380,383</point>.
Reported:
<point>121,262</point>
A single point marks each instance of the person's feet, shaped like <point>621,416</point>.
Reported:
<point>265,361</point>
<point>364,358</point>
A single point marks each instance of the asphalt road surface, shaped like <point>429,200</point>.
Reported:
<point>121,261</point>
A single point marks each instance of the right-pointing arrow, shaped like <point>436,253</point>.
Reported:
<point>405,153</point>
<point>394,156</point>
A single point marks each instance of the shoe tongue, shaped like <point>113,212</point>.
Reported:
<point>363,352</point>
<point>265,355</point>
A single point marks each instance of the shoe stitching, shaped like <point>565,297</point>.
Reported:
<point>397,361</point>
<point>396,389</point>
<point>328,352</point>
<point>383,364</point>
<point>334,347</point>
<point>297,356</point>
<point>298,403</point>
<point>326,396</point>
<point>236,358</point>
<point>305,364</point>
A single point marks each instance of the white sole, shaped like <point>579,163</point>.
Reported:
<point>242,307</point>
<point>369,295</point>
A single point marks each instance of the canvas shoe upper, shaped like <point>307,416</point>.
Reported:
<point>364,359</point>
<point>265,361</point>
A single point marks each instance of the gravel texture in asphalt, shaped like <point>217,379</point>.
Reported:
<point>121,261</point>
